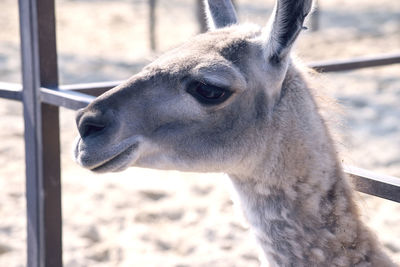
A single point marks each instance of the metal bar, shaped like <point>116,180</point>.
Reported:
<point>66,98</point>
<point>30,80</point>
<point>42,147</point>
<point>94,89</point>
<point>70,99</point>
<point>11,91</point>
<point>355,63</point>
<point>371,183</point>
<point>50,135</point>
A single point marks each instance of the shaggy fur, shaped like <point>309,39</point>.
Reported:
<point>297,198</point>
<point>268,136</point>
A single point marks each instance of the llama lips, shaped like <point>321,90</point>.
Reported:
<point>119,162</point>
<point>103,159</point>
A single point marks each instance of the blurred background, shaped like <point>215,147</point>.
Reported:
<point>151,218</point>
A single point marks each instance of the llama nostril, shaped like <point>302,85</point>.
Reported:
<point>89,127</point>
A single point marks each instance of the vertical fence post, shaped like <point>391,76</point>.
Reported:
<point>152,24</point>
<point>42,144</point>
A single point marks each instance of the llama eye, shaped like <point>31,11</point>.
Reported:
<point>208,94</point>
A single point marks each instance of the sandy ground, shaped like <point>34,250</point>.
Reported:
<point>151,218</point>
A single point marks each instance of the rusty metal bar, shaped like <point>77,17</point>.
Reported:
<point>383,186</point>
<point>48,70</point>
<point>355,63</point>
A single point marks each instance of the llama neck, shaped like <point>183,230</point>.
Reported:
<point>298,202</point>
<point>307,218</point>
<point>299,218</point>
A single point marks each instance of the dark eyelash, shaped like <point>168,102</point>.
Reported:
<point>208,94</point>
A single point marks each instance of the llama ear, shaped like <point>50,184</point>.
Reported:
<point>284,27</point>
<point>220,13</point>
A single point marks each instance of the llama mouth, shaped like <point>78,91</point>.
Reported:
<point>115,159</point>
<point>118,162</point>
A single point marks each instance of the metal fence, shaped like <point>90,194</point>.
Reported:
<point>42,96</point>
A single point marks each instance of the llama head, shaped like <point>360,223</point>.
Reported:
<point>198,107</point>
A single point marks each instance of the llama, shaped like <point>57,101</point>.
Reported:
<point>232,100</point>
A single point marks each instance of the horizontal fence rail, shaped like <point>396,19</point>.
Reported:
<point>12,91</point>
<point>57,97</point>
<point>65,98</point>
<point>355,63</point>
<point>94,89</point>
<point>380,185</point>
